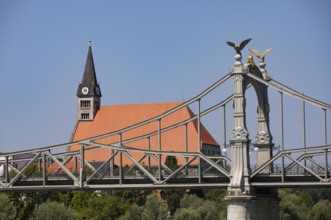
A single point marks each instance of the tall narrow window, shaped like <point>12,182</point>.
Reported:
<point>85,116</point>
<point>85,103</point>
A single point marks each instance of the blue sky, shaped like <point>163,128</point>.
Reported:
<point>148,51</point>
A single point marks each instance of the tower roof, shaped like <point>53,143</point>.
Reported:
<point>89,78</point>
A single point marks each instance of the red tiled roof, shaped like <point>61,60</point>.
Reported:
<point>116,117</point>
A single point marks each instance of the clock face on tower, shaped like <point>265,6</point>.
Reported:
<point>84,90</point>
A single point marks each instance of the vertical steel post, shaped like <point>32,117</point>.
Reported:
<point>186,147</point>
<point>75,165</point>
<point>199,138</point>
<point>159,148</point>
<point>304,128</point>
<point>39,165</point>
<point>325,129</point>
<point>224,127</point>
<point>326,150</point>
<point>111,164</point>
<point>149,157</point>
<point>44,169</point>
<point>6,170</point>
<point>282,133</point>
<point>82,166</point>
<point>120,169</point>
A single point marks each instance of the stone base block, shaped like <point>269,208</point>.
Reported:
<point>252,207</point>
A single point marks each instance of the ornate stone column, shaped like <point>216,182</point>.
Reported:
<point>239,189</point>
<point>263,138</point>
<point>240,170</point>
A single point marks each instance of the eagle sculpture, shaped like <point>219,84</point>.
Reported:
<point>259,54</point>
<point>239,47</point>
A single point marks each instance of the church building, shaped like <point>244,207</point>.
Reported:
<point>94,119</point>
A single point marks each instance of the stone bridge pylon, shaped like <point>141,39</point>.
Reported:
<point>244,201</point>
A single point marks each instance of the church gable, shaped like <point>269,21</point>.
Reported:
<point>116,117</point>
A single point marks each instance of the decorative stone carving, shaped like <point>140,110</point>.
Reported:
<point>262,137</point>
<point>238,78</point>
<point>239,133</point>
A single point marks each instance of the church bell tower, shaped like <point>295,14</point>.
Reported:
<point>88,93</point>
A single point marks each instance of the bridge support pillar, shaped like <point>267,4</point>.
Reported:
<point>252,207</point>
<point>244,201</point>
<point>263,154</point>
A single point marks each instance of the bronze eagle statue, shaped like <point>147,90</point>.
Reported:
<point>238,47</point>
<point>259,54</point>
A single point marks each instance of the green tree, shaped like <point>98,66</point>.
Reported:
<point>80,200</point>
<point>321,210</point>
<point>133,213</point>
<point>293,206</point>
<point>53,210</point>
<point>194,208</point>
<point>7,209</point>
<point>154,209</point>
<point>133,196</point>
<point>25,202</point>
<point>173,197</point>
<point>316,194</point>
<point>103,206</point>
<point>171,162</point>
<point>218,196</point>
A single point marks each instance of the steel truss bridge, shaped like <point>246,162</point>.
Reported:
<point>302,166</point>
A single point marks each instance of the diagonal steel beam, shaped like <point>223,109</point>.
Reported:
<point>307,156</point>
<point>2,184</point>
<point>210,167</point>
<point>300,158</point>
<point>216,166</point>
<point>304,167</point>
<point>99,168</point>
<point>131,168</point>
<point>179,169</point>
<point>314,162</point>
<point>150,176</point>
<point>89,165</point>
<point>72,176</point>
<point>16,170</point>
<point>64,163</point>
<point>162,164</point>
<point>24,169</point>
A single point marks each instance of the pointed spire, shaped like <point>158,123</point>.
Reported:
<point>89,77</point>
<point>89,72</point>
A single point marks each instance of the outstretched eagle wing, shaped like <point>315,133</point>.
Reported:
<point>231,44</point>
<point>266,52</point>
<point>244,43</point>
<point>255,52</point>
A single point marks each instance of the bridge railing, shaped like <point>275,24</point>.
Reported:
<point>307,164</point>
<point>44,169</point>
